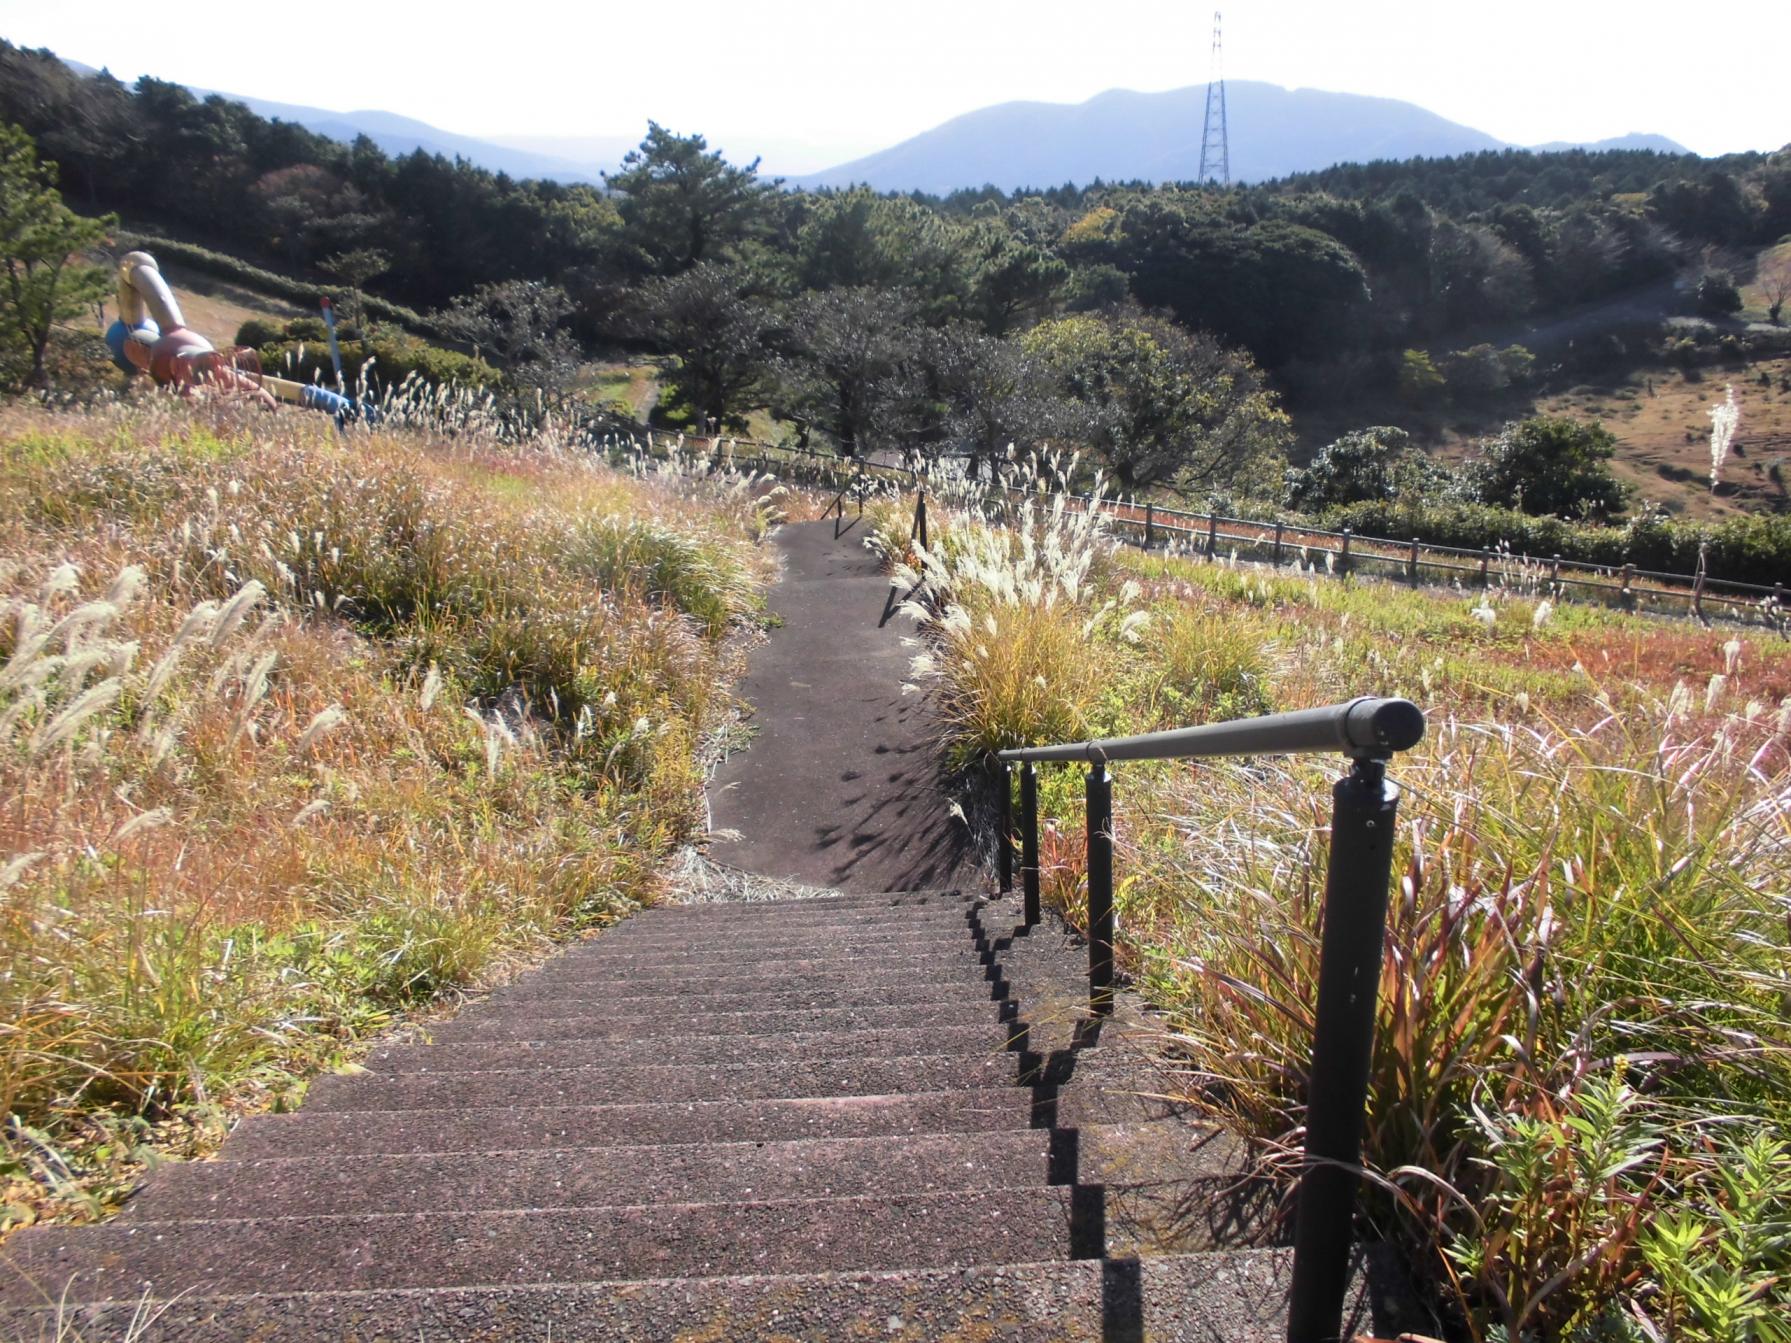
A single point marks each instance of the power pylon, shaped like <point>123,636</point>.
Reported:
<point>1215,145</point>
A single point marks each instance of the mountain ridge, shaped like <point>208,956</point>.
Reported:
<point>1116,135</point>
<point>1125,135</point>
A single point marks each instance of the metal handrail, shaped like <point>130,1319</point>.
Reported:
<point>1364,726</point>
<point>1365,805</point>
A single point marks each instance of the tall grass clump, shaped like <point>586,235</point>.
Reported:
<point>305,731</point>
<point>1007,591</point>
<point>1580,1114</point>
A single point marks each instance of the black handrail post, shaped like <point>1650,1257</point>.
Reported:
<point>1029,839</point>
<point>1100,889</point>
<point>1004,844</point>
<point>1355,920</point>
<point>1150,526</point>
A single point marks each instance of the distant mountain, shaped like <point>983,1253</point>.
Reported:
<point>1634,140</point>
<point>1121,135</point>
<point>401,135</point>
<point>588,159</point>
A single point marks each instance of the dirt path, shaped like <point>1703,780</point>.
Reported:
<point>840,785</point>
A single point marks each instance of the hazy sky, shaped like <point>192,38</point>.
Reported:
<point>842,78</point>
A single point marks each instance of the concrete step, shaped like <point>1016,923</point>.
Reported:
<point>788,913</point>
<point>956,1000</point>
<point>1109,1086</point>
<point>673,1084</point>
<point>891,899</point>
<point>475,1056</point>
<point>1237,1297</point>
<point>303,1186</point>
<point>404,1250</point>
<point>671,935</point>
<point>597,963</point>
<point>506,1128</point>
<point>588,1020</point>
<point>771,978</point>
<point>906,944</point>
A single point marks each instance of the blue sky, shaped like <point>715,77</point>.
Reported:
<point>811,83</point>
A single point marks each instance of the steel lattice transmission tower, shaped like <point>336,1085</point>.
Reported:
<point>1215,145</point>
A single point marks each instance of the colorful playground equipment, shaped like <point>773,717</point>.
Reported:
<point>151,336</point>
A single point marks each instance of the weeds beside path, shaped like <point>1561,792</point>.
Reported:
<point>1580,1119</point>
<point>303,734</point>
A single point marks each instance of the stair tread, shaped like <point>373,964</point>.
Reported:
<point>669,1084</point>
<point>536,1246</point>
<point>445,1055</point>
<point>600,957</point>
<point>593,1177</point>
<point>517,1127</point>
<point>1237,1296</point>
<point>583,1020</point>
<point>934,996</point>
<point>900,982</point>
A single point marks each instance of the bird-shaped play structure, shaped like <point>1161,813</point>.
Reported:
<point>150,336</point>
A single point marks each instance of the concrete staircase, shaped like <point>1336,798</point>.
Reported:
<point>861,1116</point>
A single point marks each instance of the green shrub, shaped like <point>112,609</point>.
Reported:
<point>257,332</point>
<point>1717,294</point>
<point>385,363</point>
<point>1420,381</point>
<point>1751,548</point>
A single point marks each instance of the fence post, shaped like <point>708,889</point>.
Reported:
<point>1278,529</point>
<point>1212,536</point>
<point>1485,561</point>
<point>1004,842</point>
<point>1363,818</point>
<point>1697,598</point>
<point>1029,839</point>
<point>1343,556</point>
<point>1100,889</point>
<point>1150,527</point>
<point>919,529</point>
<point>1411,565</point>
<point>1554,573</point>
<point>1629,585</point>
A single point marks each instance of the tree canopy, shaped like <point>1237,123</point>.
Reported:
<point>41,241</point>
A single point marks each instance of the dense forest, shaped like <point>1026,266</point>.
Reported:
<point>1161,327</point>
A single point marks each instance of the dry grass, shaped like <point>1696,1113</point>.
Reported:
<point>1589,951</point>
<point>304,732</point>
<point>1661,418</point>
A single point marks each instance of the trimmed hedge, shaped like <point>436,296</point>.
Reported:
<point>227,267</point>
<point>1755,548</point>
<point>393,362</point>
